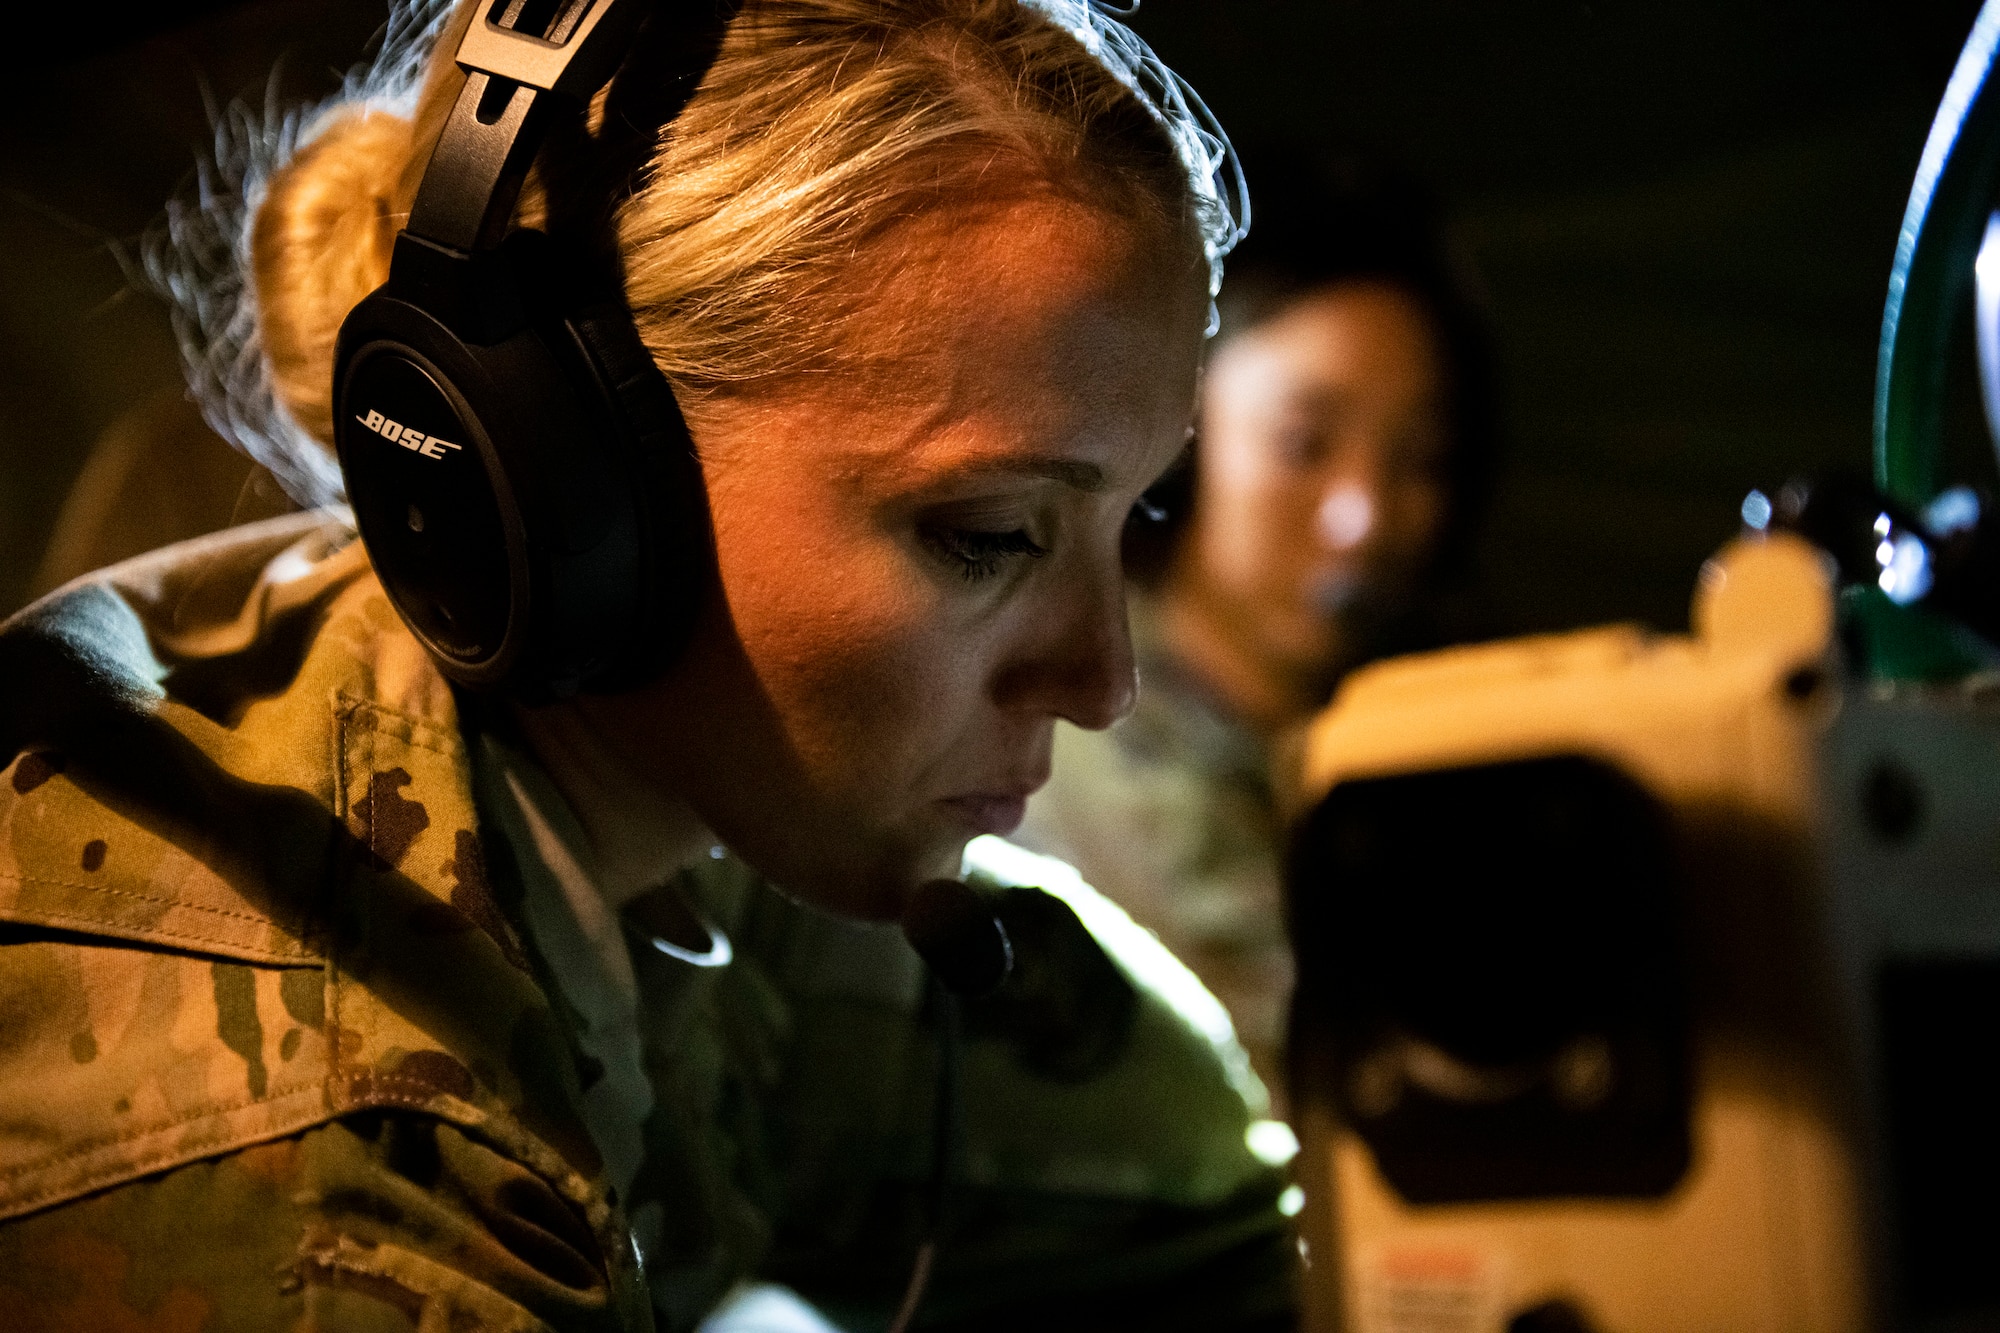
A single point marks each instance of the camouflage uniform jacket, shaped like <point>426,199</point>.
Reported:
<point>245,898</point>
<point>275,1053</point>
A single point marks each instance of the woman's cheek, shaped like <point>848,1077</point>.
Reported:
<point>1414,519</point>
<point>841,647</point>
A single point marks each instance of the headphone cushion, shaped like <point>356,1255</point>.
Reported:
<point>638,392</point>
<point>661,460</point>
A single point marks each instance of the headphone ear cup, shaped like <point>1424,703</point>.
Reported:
<point>430,488</point>
<point>542,530</point>
<point>675,549</point>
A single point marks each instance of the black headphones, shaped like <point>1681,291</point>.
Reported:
<point>518,467</point>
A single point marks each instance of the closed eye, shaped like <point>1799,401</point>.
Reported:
<point>980,555</point>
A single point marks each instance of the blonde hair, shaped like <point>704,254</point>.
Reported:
<point>818,126</point>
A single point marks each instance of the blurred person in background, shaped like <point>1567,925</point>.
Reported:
<point>1323,517</point>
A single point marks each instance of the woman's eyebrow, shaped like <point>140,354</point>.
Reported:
<point>1069,471</point>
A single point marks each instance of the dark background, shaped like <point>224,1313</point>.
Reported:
<point>1683,215</point>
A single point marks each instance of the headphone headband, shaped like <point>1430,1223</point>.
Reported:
<point>519,58</point>
<point>574,53</point>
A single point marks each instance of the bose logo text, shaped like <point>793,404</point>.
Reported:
<point>430,446</point>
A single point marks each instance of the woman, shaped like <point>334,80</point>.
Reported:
<point>335,997</point>
<point>1345,446</point>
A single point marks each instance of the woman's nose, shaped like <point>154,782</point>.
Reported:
<point>1080,668</point>
<point>1346,515</point>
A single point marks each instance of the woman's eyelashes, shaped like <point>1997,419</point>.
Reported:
<point>979,555</point>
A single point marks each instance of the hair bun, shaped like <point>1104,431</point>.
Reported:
<point>321,242</point>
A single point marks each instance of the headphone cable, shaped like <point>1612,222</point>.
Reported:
<point>945,1130</point>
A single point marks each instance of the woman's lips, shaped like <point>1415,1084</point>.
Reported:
<point>989,812</point>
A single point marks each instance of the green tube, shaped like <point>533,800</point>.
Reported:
<point>1942,227</point>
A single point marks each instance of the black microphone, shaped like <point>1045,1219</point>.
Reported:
<point>955,932</point>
